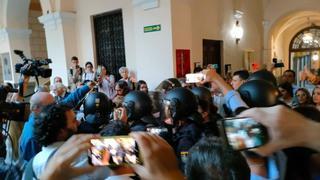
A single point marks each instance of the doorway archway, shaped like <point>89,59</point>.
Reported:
<point>284,29</point>
<point>304,49</point>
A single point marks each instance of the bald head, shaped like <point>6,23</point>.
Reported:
<point>39,100</point>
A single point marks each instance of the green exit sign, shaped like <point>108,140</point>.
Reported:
<point>152,28</point>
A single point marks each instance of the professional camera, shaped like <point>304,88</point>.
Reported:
<point>32,67</point>
<point>13,111</point>
<point>277,64</point>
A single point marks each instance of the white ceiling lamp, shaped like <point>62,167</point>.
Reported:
<point>307,38</point>
<point>315,56</point>
<point>237,30</point>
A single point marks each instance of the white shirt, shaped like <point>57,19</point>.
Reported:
<point>121,177</point>
<point>107,87</point>
<point>40,162</point>
<point>88,76</point>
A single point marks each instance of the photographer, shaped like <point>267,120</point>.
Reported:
<point>10,117</point>
<point>106,82</point>
<point>75,73</point>
<point>15,127</point>
<point>283,124</point>
<point>157,155</point>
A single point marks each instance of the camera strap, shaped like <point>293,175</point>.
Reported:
<point>21,87</point>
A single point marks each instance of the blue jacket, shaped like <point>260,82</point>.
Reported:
<point>28,146</point>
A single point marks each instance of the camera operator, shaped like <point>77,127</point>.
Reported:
<point>12,120</point>
<point>15,127</point>
<point>159,161</point>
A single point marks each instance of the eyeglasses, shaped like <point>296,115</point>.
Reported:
<point>301,95</point>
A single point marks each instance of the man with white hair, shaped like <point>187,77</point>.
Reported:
<point>124,73</point>
<point>60,92</point>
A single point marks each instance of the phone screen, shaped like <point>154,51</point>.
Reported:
<point>156,130</point>
<point>194,78</point>
<point>113,151</point>
<point>244,133</point>
<point>98,71</point>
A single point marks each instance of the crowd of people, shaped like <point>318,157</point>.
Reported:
<point>176,127</point>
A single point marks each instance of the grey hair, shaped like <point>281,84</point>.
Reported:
<point>123,69</point>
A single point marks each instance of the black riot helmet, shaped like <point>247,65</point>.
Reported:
<point>139,106</point>
<point>175,81</point>
<point>259,93</point>
<point>97,103</point>
<point>182,103</point>
<point>168,84</point>
<point>264,75</point>
<point>202,93</point>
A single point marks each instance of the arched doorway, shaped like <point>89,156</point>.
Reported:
<point>280,32</point>
<point>304,49</point>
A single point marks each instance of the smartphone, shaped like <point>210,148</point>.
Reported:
<point>114,151</point>
<point>194,78</point>
<point>98,71</point>
<point>214,66</point>
<point>243,133</point>
<point>118,113</point>
<point>157,130</point>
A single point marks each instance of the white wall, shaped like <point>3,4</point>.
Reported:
<point>277,13</point>
<point>181,28</point>
<point>154,57</point>
<point>148,55</point>
<point>84,31</point>
<point>213,19</point>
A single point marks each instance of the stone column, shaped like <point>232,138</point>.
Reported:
<point>61,42</point>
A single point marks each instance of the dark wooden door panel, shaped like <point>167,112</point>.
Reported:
<point>109,39</point>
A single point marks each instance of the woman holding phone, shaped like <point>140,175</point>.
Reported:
<point>106,81</point>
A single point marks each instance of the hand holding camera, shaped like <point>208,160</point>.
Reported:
<point>282,124</point>
<point>114,151</point>
<point>243,133</point>
<point>63,159</point>
<point>155,153</point>
<point>120,114</point>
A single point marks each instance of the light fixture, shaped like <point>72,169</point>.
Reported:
<point>307,38</point>
<point>315,56</point>
<point>237,30</point>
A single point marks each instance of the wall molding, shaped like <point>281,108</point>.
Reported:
<point>146,4</point>
<point>6,33</point>
<point>52,20</point>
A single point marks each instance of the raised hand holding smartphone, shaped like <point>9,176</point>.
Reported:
<point>243,133</point>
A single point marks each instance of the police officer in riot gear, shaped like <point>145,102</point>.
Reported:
<point>259,93</point>
<point>207,110</point>
<point>180,105</point>
<point>97,109</point>
<point>138,106</point>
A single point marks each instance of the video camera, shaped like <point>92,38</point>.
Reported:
<point>277,64</point>
<point>32,67</point>
<point>12,111</point>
